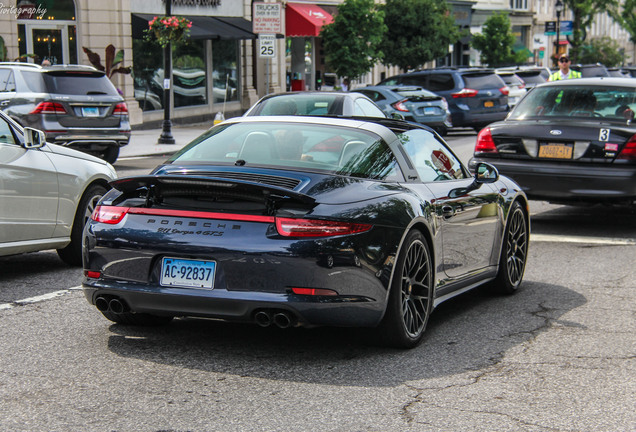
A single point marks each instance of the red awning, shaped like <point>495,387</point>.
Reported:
<point>303,19</point>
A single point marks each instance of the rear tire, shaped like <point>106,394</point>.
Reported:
<point>514,252</point>
<point>137,319</point>
<point>411,296</point>
<point>72,254</point>
<point>111,154</point>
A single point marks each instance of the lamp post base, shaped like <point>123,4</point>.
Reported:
<point>166,134</point>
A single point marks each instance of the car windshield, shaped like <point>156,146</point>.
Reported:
<point>295,146</point>
<point>613,104</point>
<point>299,104</point>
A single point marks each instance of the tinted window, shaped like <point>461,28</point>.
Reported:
<point>534,77</point>
<point>6,135</point>
<point>78,83</point>
<point>34,81</point>
<point>299,104</point>
<point>483,81</point>
<point>391,81</point>
<point>432,160</point>
<point>372,94</point>
<point>511,79</point>
<point>7,82</point>
<point>363,107</point>
<point>418,80</point>
<point>440,82</point>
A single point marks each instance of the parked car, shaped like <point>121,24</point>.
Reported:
<point>570,141</point>
<point>516,86</point>
<point>531,75</point>
<point>476,97</point>
<point>76,106</point>
<point>316,103</point>
<point>413,104</point>
<point>591,70</point>
<point>232,227</point>
<point>47,192</point>
<point>618,72</point>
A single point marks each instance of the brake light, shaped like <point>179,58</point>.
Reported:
<point>521,86</point>
<point>314,291</point>
<point>48,108</point>
<point>92,274</point>
<point>120,109</point>
<point>108,214</point>
<point>485,143</point>
<point>504,90</point>
<point>290,227</point>
<point>399,105</point>
<point>464,93</point>
<point>629,151</point>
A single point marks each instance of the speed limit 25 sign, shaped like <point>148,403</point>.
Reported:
<point>266,45</point>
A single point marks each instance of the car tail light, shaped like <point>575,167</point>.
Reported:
<point>485,143</point>
<point>314,291</point>
<point>629,151</point>
<point>109,214</point>
<point>399,105</point>
<point>290,227</point>
<point>444,103</point>
<point>464,93</point>
<point>505,90</point>
<point>120,109</point>
<point>48,108</point>
<point>92,274</point>
<point>521,86</point>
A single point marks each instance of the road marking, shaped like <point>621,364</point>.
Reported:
<point>37,299</point>
<point>581,239</point>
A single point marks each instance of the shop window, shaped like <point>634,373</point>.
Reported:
<point>225,71</point>
<point>148,74</point>
<point>189,80</point>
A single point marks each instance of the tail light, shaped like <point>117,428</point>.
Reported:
<point>504,90</point>
<point>399,105</point>
<point>120,109</point>
<point>465,93</point>
<point>314,291</point>
<point>109,215</point>
<point>485,143</point>
<point>444,103</point>
<point>289,227</point>
<point>522,86</point>
<point>629,151</point>
<point>48,108</point>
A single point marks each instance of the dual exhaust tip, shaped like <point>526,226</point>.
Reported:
<point>112,304</point>
<point>280,318</point>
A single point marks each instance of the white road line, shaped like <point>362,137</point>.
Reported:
<point>37,299</point>
<point>581,239</point>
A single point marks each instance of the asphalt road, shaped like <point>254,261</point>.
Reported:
<point>557,356</point>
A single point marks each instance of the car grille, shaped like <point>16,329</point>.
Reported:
<point>284,182</point>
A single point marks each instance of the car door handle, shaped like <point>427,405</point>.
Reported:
<point>448,211</point>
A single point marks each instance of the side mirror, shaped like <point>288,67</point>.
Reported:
<point>34,138</point>
<point>397,116</point>
<point>484,173</point>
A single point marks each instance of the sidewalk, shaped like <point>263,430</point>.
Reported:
<point>144,142</point>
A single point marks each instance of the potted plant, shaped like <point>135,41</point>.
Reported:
<point>168,29</point>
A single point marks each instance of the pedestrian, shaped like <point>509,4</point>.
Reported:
<point>564,71</point>
<point>45,62</point>
<point>345,85</point>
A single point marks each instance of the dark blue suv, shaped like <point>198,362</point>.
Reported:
<point>476,97</point>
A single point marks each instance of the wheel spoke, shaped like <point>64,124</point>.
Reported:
<point>415,289</point>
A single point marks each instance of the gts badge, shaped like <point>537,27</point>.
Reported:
<point>178,227</point>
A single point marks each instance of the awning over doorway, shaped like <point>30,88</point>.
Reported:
<point>203,27</point>
<point>304,19</point>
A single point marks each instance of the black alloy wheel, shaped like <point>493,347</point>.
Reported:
<point>514,251</point>
<point>411,297</point>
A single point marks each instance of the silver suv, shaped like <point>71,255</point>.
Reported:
<point>75,105</point>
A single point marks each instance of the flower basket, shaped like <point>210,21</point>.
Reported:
<point>168,29</point>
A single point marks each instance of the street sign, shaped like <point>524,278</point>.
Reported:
<point>565,28</point>
<point>267,45</point>
<point>266,18</point>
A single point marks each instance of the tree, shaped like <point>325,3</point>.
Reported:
<point>351,40</point>
<point>496,42</point>
<point>627,18</point>
<point>419,31</point>
<point>583,12</point>
<point>602,50</point>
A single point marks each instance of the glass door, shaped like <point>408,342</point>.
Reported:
<point>48,45</point>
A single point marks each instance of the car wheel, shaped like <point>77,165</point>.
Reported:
<point>111,154</point>
<point>137,319</point>
<point>514,252</point>
<point>72,254</point>
<point>410,299</point>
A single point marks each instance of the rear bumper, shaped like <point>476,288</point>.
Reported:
<point>88,139</point>
<point>558,182</point>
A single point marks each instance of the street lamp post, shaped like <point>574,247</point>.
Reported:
<point>166,132</point>
<point>559,8</point>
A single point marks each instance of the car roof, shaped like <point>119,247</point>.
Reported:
<point>594,81</point>
<point>69,67</point>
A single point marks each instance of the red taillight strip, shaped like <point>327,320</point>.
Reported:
<point>290,227</point>
<point>120,109</point>
<point>314,291</point>
<point>201,215</point>
<point>485,143</point>
<point>48,108</point>
<point>464,93</point>
<point>629,150</point>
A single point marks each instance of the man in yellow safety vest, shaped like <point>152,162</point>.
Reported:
<point>564,71</point>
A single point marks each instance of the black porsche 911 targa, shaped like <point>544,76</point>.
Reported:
<point>305,221</point>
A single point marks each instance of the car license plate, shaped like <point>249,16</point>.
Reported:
<point>90,111</point>
<point>555,151</point>
<point>429,111</point>
<point>489,104</point>
<point>187,273</point>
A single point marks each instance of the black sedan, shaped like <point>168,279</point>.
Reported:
<point>571,141</point>
<point>265,220</point>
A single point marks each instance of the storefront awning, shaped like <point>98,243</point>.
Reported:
<point>303,19</point>
<point>203,27</point>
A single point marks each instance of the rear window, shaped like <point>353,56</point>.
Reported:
<point>34,81</point>
<point>533,77</point>
<point>300,105</point>
<point>594,71</point>
<point>440,82</point>
<point>417,94</point>
<point>511,79</point>
<point>483,81</point>
<point>78,83</point>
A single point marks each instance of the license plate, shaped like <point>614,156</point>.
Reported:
<point>429,111</point>
<point>187,273</point>
<point>90,111</point>
<point>489,104</point>
<point>555,151</point>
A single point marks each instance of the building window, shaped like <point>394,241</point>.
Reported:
<point>225,70</point>
<point>189,79</point>
<point>519,4</point>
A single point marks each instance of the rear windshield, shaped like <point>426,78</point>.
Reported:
<point>299,104</point>
<point>511,79</point>
<point>78,83</point>
<point>416,94</point>
<point>594,71</point>
<point>602,103</point>
<point>483,81</point>
<point>532,77</point>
